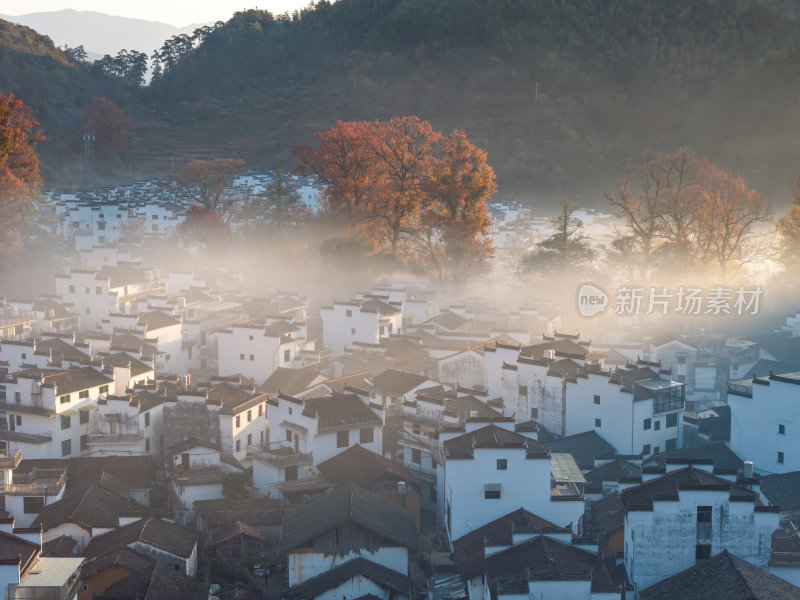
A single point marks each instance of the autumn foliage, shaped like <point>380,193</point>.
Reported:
<point>108,122</point>
<point>204,180</point>
<point>402,187</point>
<point>681,211</point>
<point>19,170</point>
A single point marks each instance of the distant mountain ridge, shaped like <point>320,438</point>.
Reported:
<point>99,33</point>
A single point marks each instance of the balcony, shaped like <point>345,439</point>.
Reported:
<point>279,454</point>
<point>28,409</point>
<point>25,438</point>
<point>10,458</point>
<point>115,438</point>
<point>39,482</point>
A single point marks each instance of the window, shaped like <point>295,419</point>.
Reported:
<point>238,445</point>
<point>85,442</point>
<point>147,419</point>
<point>64,399</point>
<point>648,423</point>
<point>290,410</point>
<point>155,217</point>
<point>241,357</point>
<point>103,389</point>
<point>66,447</point>
<point>86,291</point>
<point>72,289</point>
<point>32,505</point>
<point>147,445</point>
<point>366,435</point>
<point>780,457</point>
<point>681,359</point>
<point>101,226</point>
<point>249,415</point>
<point>702,551</point>
<point>352,331</point>
<point>19,420</point>
<point>657,426</point>
<point>523,391</point>
<point>250,338</point>
<point>342,439</point>
<point>597,422</point>
<point>287,356</point>
<point>24,355</point>
<point>704,514</point>
<point>288,436</point>
<point>596,399</point>
<point>502,464</point>
<point>646,449</point>
<point>416,456</point>
<point>672,444</point>
<point>83,417</point>
<point>534,413</point>
<point>672,420</point>
<point>66,422</point>
<point>491,491</point>
<point>290,473</point>
<point>348,313</point>
<point>85,587</point>
<point>249,439</point>
<point>252,357</point>
<point>781,429</point>
<point>17,397</point>
<point>656,450</point>
<point>83,395</point>
<point>238,420</point>
<point>260,409</point>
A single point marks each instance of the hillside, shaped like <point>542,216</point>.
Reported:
<point>562,93</point>
<point>35,70</point>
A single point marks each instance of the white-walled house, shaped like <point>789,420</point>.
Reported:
<point>49,412</point>
<point>256,350</point>
<point>24,573</point>
<point>347,544</point>
<point>690,515</point>
<point>166,542</point>
<point>365,321</point>
<point>765,423</point>
<point>326,426</point>
<point>489,472</point>
<point>635,409</point>
<point>128,425</point>
<point>196,470</point>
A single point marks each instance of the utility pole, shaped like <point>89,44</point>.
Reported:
<point>88,158</point>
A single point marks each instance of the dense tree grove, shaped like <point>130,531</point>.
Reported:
<point>387,183</point>
<point>19,170</point>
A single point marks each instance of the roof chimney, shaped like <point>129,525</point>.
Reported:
<point>747,472</point>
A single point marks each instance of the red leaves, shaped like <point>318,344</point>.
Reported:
<point>108,122</point>
<point>19,169</point>
<point>386,180</point>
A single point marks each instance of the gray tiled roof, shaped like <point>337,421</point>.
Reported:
<point>723,577</point>
<point>344,505</point>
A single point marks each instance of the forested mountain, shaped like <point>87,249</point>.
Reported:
<point>57,88</point>
<point>562,93</point>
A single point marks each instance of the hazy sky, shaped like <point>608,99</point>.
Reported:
<point>177,12</point>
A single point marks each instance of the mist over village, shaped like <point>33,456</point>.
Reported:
<point>400,300</point>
